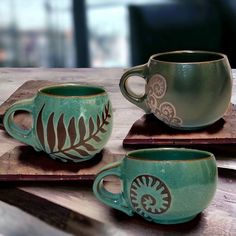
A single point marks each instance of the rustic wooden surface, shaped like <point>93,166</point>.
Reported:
<point>22,163</point>
<point>218,219</point>
<point>53,214</point>
<point>149,131</point>
<point>14,221</point>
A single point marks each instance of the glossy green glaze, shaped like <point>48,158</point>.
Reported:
<point>70,121</point>
<point>165,185</point>
<point>185,89</point>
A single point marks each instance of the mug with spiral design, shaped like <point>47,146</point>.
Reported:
<point>71,122</point>
<point>184,89</point>
<point>163,185</point>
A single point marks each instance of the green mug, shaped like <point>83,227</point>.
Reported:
<point>71,122</point>
<point>184,89</point>
<point>165,185</point>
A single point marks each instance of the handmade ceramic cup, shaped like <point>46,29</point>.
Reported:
<point>184,89</point>
<point>166,185</point>
<point>70,121</point>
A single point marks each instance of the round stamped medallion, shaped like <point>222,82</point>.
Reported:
<point>157,86</point>
<point>162,109</point>
<point>149,195</point>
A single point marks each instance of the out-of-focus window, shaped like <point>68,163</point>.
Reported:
<point>40,33</point>
<point>108,36</point>
<point>108,29</point>
<point>36,33</point>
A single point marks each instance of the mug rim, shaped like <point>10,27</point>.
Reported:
<point>130,155</point>
<point>223,56</point>
<point>102,93</point>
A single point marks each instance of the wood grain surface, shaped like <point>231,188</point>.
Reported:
<point>218,219</point>
<point>149,131</point>
<point>65,220</point>
<point>14,221</point>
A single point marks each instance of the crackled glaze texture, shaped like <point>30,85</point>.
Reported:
<point>163,185</point>
<point>70,122</point>
<point>184,89</point>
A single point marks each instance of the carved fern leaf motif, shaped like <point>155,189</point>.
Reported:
<point>56,137</point>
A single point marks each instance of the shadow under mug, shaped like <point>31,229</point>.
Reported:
<point>184,89</point>
<point>164,185</point>
<point>71,122</point>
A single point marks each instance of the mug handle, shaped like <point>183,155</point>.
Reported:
<point>116,201</point>
<point>127,92</point>
<point>25,136</point>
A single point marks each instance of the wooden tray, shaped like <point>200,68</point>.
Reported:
<point>19,162</point>
<point>22,163</point>
<point>148,131</point>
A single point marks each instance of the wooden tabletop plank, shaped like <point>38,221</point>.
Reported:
<point>14,221</point>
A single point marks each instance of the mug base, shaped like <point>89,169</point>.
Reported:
<point>55,157</point>
<point>63,159</point>
<point>190,128</point>
<point>176,221</point>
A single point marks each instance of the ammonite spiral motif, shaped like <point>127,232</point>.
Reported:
<point>157,86</point>
<point>165,111</point>
<point>149,195</point>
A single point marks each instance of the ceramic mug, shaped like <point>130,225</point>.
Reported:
<point>70,121</point>
<point>165,185</point>
<point>184,89</point>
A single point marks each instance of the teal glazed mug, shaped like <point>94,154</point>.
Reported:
<point>184,89</point>
<point>71,122</point>
<point>165,185</point>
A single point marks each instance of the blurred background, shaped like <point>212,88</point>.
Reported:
<point>108,33</point>
<point>41,33</point>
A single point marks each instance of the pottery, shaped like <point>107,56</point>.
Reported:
<point>184,89</point>
<point>163,185</point>
<point>71,122</point>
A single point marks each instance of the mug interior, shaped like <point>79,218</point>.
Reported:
<point>72,90</point>
<point>169,154</point>
<point>188,57</point>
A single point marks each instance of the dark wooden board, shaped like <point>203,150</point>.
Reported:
<point>14,221</point>
<point>20,162</point>
<point>148,131</point>
<point>63,219</point>
<point>24,164</point>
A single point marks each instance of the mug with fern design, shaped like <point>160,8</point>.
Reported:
<point>71,122</point>
<point>184,89</point>
<point>163,185</point>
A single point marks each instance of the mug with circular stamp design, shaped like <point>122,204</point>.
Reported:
<point>71,122</point>
<point>184,89</point>
<point>163,185</point>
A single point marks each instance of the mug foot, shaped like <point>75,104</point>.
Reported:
<point>176,221</point>
<point>55,157</point>
<point>64,159</point>
<point>190,128</point>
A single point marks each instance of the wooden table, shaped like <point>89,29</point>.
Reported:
<point>75,201</point>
